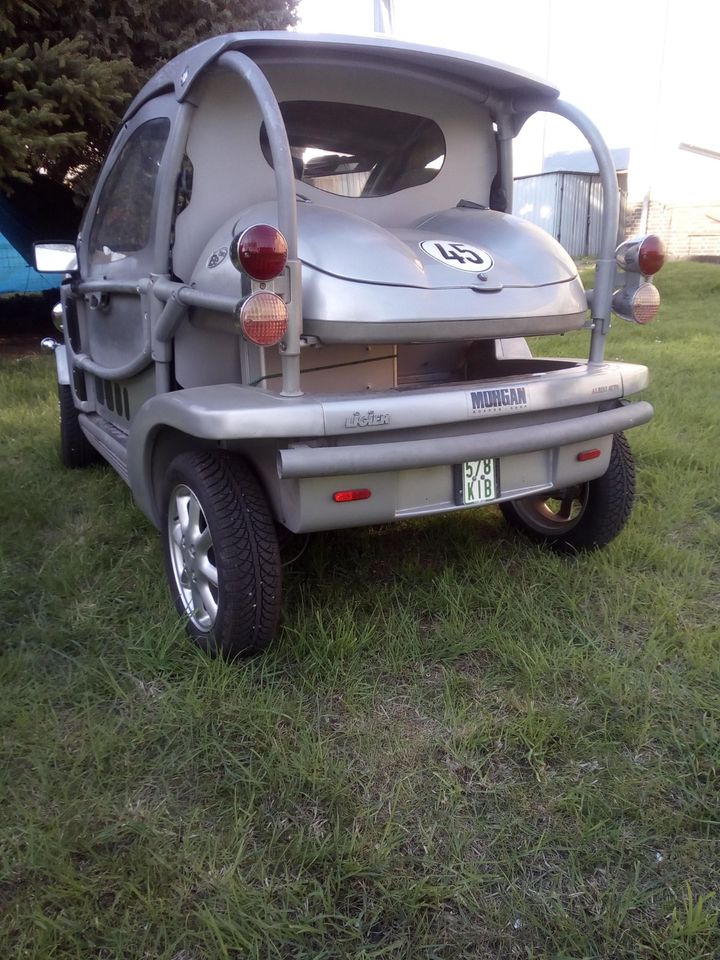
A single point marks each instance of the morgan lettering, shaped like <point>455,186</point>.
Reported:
<point>494,399</point>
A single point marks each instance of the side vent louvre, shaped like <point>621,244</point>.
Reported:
<point>113,396</point>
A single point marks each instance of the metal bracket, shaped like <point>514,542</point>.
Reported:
<point>98,301</point>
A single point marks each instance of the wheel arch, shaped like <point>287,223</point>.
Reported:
<point>152,449</point>
<point>225,416</point>
<point>163,444</point>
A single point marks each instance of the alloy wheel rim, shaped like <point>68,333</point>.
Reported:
<point>192,555</point>
<point>557,513</point>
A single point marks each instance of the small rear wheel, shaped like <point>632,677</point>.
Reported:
<point>221,553</point>
<point>75,449</point>
<point>584,516</point>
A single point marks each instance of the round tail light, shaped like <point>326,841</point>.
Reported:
<point>651,255</point>
<point>645,303</point>
<point>264,319</point>
<point>261,251</point>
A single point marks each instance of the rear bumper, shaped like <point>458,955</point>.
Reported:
<point>407,442</point>
<point>307,461</point>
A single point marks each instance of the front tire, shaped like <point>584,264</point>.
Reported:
<point>585,516</point>
<point>221,553</point>
<point>76,451</point>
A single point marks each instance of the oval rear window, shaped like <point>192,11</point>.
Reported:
<point>357,151</point>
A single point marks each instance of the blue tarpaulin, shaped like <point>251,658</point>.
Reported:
<point>18,276</point>
<point>38,210</point>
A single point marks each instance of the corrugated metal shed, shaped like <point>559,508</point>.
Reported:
<point>567,205</point>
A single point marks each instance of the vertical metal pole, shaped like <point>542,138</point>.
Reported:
<point>605,271</point>
<point>505,138</point>
<point>383,9</point>
<point>588,214</point>
<point>560,202</point>
<point>167,187</point>
<point>286,204</point>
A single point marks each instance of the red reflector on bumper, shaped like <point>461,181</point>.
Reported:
<point>589,455</point>
<point>345,496</point>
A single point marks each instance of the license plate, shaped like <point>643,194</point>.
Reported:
<point>478,481</point>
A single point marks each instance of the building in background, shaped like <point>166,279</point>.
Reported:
<point>566,199</point>
<point>646,76</point>
<point>682,202</point>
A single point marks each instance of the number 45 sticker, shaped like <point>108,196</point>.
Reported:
<point>462,256</point>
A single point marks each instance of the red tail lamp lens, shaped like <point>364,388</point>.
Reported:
<point>589,455</point>
<point>345,496</point>
<point>645,303</point>
<point>264,319</point>
<point>651,255</point>
<point>261,251</point>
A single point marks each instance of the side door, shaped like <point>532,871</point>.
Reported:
<point>116,251</point>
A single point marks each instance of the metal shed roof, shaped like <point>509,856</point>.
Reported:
<point>283,46</point>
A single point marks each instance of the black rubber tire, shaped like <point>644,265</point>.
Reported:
<point>608,503</point>
<point>245,552</point>
<point>76,451</point>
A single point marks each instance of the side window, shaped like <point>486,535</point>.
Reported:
<point>122,222</point>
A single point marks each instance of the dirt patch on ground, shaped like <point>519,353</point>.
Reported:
<point>24,321</point>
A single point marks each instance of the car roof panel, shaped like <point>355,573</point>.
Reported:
<point>180,73</point>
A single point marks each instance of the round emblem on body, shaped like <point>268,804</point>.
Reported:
<point>461,256</point>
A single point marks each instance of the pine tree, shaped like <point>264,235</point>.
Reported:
<point>69,67</point>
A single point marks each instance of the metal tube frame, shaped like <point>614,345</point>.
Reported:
<point>605,269</point>
<point>178,297</point>
<point>83,362</point>
<point>167,188</point>
<point>505,155</point>
<point>287,208</point>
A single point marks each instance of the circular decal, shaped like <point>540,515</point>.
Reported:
<point>462,256</point>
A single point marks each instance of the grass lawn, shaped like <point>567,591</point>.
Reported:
<point>463,747</point>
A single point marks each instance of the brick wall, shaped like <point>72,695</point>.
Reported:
<point>690,230</point>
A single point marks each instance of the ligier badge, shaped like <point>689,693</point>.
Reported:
<point>462,256</point>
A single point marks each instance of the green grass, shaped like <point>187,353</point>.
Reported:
<point>463,747</point>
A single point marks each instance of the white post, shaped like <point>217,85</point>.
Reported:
<point>383,16</point>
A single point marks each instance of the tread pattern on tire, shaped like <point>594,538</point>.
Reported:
<point>246,551</point>
<point>609,506</point>
<point>76,451</point>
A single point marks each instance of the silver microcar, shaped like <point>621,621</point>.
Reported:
<point>299,300</point>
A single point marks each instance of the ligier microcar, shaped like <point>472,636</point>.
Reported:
<point>299,300</point>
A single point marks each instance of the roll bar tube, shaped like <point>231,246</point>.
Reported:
<point>287,209</point>
<point>505,135</point>
<point>605,270</point>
